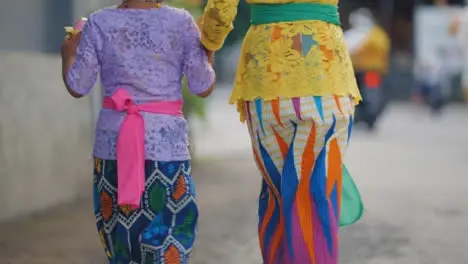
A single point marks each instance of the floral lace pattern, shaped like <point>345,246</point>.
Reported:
<point>145,51</point>
<point>290,59</point>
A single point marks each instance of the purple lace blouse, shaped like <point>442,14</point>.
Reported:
<point>146,51</point>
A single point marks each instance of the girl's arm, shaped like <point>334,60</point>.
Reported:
<point>80,63</point>
<point>208,92</point>
<point>197,62</point>
<point>216,22</point>
<point>68,51</point>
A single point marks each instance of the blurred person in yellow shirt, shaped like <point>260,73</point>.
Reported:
<point>295,87</point>
<point>369,47</point>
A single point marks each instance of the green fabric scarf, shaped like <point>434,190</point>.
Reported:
<point>351,202</point>
<point>275,13</point>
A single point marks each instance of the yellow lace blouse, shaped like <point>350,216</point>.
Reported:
<point>288,59</point>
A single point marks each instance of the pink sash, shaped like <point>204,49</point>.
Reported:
<point>131,143</point>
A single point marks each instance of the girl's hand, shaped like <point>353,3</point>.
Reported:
<point>210,55</point>
<point>70,45</point>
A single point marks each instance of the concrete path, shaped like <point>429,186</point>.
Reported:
<point>412,173</point>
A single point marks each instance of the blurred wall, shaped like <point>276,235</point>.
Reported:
<point>45,135</point>
<point>22,25</point>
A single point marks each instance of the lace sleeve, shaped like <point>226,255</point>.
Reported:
<point>198,71</point>
<point>83,74</point>
<point>216,22</point>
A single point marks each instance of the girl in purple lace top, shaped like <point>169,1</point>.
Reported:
<point>141,50</point>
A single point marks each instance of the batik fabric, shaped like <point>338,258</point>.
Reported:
<point>299,145</point>
<point>162,230</point>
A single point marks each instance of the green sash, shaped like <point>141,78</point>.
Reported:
<point>351,203</point>
<point>275,13</point>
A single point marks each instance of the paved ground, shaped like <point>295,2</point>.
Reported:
<point>67,236</point>
<point>412,174</point>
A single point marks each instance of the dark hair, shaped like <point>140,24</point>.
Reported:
<point>125,3</point>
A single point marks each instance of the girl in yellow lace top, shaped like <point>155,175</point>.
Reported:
<point>298,58</point>
<point>296,89</point>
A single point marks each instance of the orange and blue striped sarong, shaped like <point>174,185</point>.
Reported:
<point>299,145</point>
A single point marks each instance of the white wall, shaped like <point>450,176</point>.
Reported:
<point>22,26</point>
<point>45,136</point>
